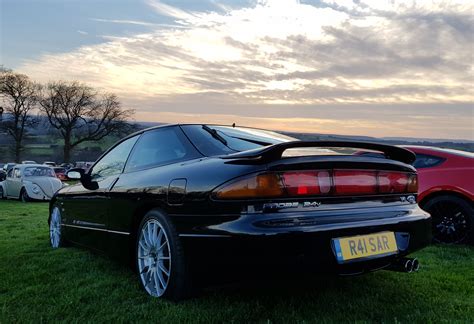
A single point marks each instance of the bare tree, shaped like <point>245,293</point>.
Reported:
<point>20,96</point>
<point>82,114</point>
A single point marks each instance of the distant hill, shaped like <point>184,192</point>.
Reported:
<point>463,145</point>
<point>43,143</point>
<point>431,140</point>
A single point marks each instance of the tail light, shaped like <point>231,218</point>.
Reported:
<point>355,182</point>
<point>319,183</point>
<point>262,185</point>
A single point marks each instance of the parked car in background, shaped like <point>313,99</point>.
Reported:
<point>30,182</point>
<point>83,165</point>
<point>8,166</point>
<point>179,197</point>
<point>49,163</point>
<point>5,168</point>
<point>28,162</point>
<point>67,166</point>
<point>60,173</point>
<point>446,191</point>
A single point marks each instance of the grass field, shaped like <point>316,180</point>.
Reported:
<point>38,284</point>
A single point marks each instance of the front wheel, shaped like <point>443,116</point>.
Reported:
<point>160,259</point>
<point>452,219</point>
<point>2,195</point>
<point>55,232</point>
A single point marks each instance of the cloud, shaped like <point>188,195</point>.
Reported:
<point>82,32</point>
<point>286,52</point>
<point>135,22</point>
<point>170,11</point>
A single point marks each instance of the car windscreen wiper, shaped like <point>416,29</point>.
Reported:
<point>252,141</point>
<point>214,134</point>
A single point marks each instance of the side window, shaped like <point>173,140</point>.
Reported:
<point>427,161</point>
<point>17,173</point>
<point>159,147</point>
<point>10,173</point>
<point>114,161</point>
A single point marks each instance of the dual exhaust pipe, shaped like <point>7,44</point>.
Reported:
<point>407,265</point>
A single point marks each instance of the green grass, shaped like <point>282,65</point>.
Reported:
<point>38,284</point>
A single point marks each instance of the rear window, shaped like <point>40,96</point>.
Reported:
<point>230,139</point>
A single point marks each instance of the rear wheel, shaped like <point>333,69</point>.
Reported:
<point>24,195</point>
<point>160,260</point>
<point>453,219</point>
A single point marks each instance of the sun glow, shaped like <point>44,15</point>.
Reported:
<point>285,52</point>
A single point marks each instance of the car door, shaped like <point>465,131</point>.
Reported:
<point>14,183</point>
<point>7,182</point>
<point>87,209</point>
<point>147,176</point>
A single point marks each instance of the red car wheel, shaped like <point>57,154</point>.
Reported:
<point>453,219</point>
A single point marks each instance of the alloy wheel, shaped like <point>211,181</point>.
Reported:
<point>154,258</point>
<point>450,222</point>
<point>55,228</point>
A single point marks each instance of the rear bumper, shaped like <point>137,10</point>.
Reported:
<point>247,240</point>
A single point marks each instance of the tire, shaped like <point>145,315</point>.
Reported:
<point>160,261</point>
<point>1,193</point>
<point>24,195</point>
<point>56,238</point>
<point>452,219</point>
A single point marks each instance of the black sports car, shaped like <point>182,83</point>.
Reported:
<point>177,198</point>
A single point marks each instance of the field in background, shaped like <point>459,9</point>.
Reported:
<point>38,284</point>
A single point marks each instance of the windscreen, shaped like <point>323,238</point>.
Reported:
<point>38,172</point>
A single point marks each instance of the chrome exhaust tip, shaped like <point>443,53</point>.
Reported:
<point>406,265</point>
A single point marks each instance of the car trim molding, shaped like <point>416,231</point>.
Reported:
<point>203,235</point>
<point>96,229</point>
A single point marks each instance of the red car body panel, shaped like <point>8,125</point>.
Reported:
<point>454,174</point>
<point>60,174</point>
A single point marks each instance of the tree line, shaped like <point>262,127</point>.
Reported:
<point>78,112</point>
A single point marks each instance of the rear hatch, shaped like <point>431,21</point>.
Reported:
<point>327,179</point>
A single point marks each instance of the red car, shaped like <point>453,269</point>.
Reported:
<point>60,173</point>
<point>446,191</point>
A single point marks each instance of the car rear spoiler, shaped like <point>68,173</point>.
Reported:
<point>274,152</point>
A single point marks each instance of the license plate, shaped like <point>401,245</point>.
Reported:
<point>363,246</point>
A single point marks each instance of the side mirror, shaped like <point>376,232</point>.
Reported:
<point>85,178</point>
<point>74,174</point>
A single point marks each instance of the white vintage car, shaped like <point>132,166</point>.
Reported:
<point>30,182</point>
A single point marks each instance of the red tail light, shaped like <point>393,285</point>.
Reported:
<point>301,183</point>
<point>319,183</point>
<point>390,182</point>
<point>355,182</point>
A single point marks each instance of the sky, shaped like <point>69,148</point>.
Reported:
<point>361,67</point>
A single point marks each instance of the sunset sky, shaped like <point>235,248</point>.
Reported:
<point>367,67</point>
